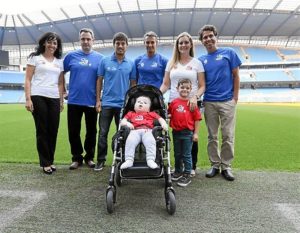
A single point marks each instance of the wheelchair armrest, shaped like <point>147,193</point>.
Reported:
<point>157,131</point>
<point>124,131</point>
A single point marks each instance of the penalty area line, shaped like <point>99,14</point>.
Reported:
<point>28,200</point>
<point>290,212</point>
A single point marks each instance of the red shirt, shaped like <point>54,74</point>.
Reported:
<point>181,116</point>
<point>142,119</point>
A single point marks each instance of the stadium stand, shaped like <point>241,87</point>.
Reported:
<point>11,96</point>
<point>296,74</point>
<point>260,55</point>
<point>264,34</point>
<point>284,78</point>
<point>11,77</point>
<point>272,75</point>
<point>270,95</point>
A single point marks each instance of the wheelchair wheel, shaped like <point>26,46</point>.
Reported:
<point>110,200</point>
<point>170,202</point>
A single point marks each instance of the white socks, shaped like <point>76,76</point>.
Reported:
<point>128,163</point>
<point>151,164</point>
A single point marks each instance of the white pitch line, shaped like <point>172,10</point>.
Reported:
<point>29,199</point>
<point>291,212</point>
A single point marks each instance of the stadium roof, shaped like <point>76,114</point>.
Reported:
<point>236,19</point>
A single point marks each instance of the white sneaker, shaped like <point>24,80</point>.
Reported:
<point>152,164</point>
<point>128,163</point>
<point>193,173</point>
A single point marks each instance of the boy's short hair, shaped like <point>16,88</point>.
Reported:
<point>184,80</point>
<point>120,36</point>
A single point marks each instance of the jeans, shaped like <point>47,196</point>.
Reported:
<point>75,113</point>
<point>46,118</point>
<point>106,116</point>
<point>183,141</point>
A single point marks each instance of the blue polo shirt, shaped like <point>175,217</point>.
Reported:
<point>218,68</point>
<point>116,77</point>
<point>150,70</point>
<point>83,76</point>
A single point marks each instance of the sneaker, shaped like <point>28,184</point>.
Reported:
<point>90,163</point>
<point>193,173</point>
<point>184,181</point>
<point>176,176</point>
<point>151,163</point>
<point>99,166</point>
<point>75,165</point>
<point>128,163</point>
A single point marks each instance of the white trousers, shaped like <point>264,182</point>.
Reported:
<point>134,138</point>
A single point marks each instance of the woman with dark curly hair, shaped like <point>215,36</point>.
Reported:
<point>44,85</point>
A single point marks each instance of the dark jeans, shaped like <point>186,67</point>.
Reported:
<point>75,113</point>
<point>46,118</point>
<point>183,141</point>
<point>106,116</point>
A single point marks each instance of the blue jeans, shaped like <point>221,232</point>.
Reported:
<point>183,142</point>
<point>106,116</point>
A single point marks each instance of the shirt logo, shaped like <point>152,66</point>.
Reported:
<point>205,61</point>
<point>111,68</point>
<point>139,118</point>
<point>219,57</point>
<point>142,64</point>
<point>84,62</point>
<point>154,65</point>
<point>180,108</point>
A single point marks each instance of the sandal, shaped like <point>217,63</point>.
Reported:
<point>47,170</point>
<point>53,168</point>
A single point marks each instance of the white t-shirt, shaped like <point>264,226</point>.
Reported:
<point>189,71</point>
<point>46,75</point>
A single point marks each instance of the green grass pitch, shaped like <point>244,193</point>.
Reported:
<point>267,138</point>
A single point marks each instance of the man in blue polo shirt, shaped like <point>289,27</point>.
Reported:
<point>82,64</point>
<point>221,95</point>
<point>150,67</point>
<point>116,74</point>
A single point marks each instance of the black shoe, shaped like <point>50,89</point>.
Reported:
<point>176,176</point>
<point>99,166</point>
<point>227,174</point>
<point>212,172</point>
<point>90,163</point>
<point>75,165</point>
<point>184,181</point>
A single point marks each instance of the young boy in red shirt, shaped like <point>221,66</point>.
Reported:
<point>185,125</point>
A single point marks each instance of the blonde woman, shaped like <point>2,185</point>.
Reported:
<point>183,64</point>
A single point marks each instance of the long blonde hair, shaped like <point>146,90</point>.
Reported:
<point>176,54</point>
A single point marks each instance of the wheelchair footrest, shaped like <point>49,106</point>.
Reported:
<point>141,171</point>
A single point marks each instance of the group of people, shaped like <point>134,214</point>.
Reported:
<point>98,84</point>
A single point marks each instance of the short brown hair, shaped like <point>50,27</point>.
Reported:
<point>87,30</point>
<point>184,80</point>
<point>150,34</point>
<point>211,28</point>
<point>120,36</point>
